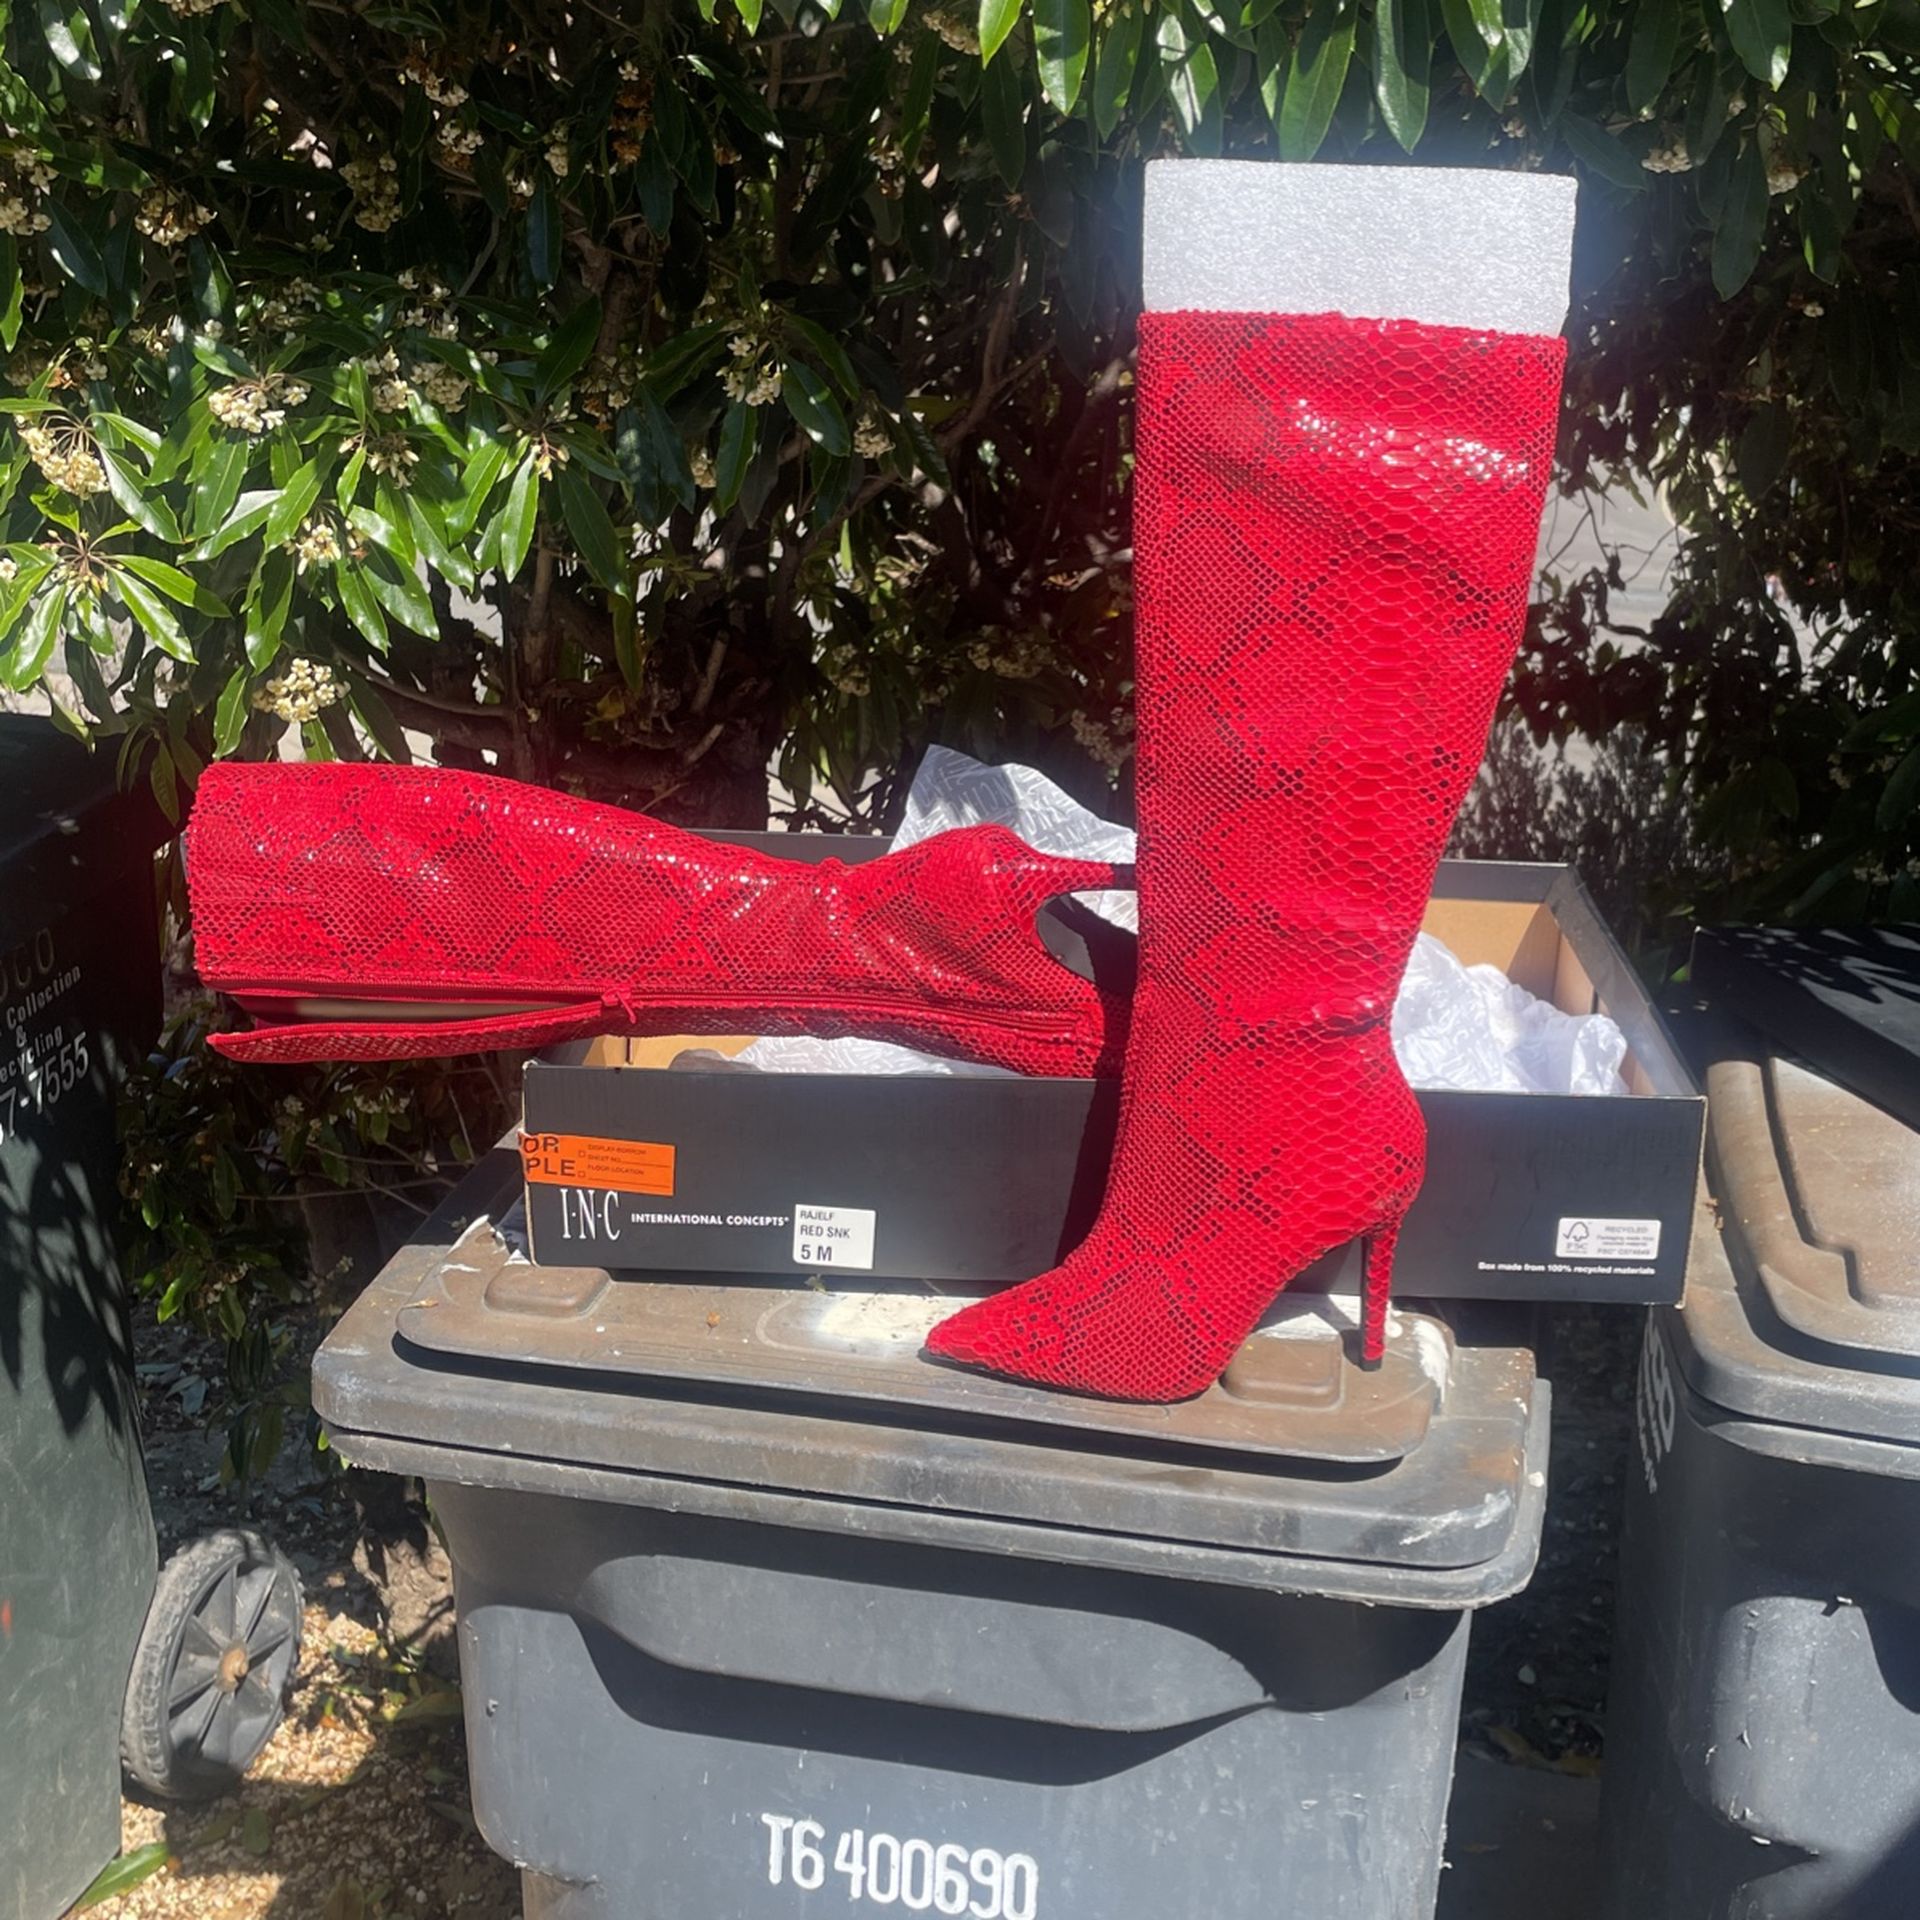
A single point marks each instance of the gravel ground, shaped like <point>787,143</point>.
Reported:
<point>358,1808</point>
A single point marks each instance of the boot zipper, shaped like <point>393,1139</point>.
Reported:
<point>411,1003</point>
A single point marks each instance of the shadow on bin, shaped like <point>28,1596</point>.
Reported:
<point>97,1661</point>
<point>52,1252</point>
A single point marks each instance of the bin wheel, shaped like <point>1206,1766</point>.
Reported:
<point>210,1674</point>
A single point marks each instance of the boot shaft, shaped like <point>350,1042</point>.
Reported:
<point>1335,523</point>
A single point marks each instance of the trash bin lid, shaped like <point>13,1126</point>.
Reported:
<point>1290,1390</point>
<point>64,815</point>
<point>1846,1000</point>
<point>1418,1484</point>
<point>1814,1318</point>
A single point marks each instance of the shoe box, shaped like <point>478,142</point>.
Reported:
<point>665,1155</point>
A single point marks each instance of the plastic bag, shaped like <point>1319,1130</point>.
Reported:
<point>1472,1029</point>
<point>1468,1028</point>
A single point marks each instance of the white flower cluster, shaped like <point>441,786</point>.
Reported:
<point>440,384</point>
<point>18,216</point>
<point>558,162</point>
<point>436,86</point>
<point>215,1283</point>
<point>755,374</point>
<point>389,455</point>
<point>890,165</point>
<point>871,440</point>
<point>20,210</point>
<point>170,218</point>
<point>458,142</point>
<point>1013,656</point>
<point>956,33</point>
<point>1105,744</point>
<point>846,672</point>
<point>256,406</point>
<point>317,544</point>
<point>301,692</point>
<point>1671,158</point>
<point>605,386</point>
<point>285,311</point>
<point>64,451</point>
<point>9,569</point>
<point>758,386</point>
<point>1782,175</point>
<point>385,383</point>
<point>189,9</point>
<point>432,312</point>
<point>700,465</point>
<point>375,180</point>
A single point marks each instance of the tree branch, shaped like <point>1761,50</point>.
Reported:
<point>1104,392</point>
<point>536,631</point>
<point>486,729</point>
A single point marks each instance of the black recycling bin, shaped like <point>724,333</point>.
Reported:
<point>762,1615</point>
<point>1763,1740</point>
<point>90,1655</point>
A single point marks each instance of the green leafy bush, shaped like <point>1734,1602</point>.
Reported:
<point>253,1192</point>
<point>624,398</point>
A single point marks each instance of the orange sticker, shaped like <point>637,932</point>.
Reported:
<point>582,1160</point>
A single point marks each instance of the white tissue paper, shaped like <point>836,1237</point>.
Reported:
<point>1472,1029</point>
<point>1468,1028</point>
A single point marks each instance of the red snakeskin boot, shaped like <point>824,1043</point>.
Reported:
<point>380,913</point>
<point>1335,523</point>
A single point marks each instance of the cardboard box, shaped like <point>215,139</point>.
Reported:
<point>635,1162</point>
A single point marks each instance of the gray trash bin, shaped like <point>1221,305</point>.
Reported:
<point>1763,1736</point>
<point>101,1663</point>
<point>762,1615</point>
<point>79,986</point>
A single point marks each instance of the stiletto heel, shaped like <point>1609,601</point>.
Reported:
<point>1376,1254</point>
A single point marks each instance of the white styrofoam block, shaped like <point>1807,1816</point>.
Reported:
<point>1451,246</point>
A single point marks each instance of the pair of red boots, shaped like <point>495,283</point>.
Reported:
<point>1335,523</point>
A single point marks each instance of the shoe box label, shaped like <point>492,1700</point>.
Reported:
<point>834,1237</point>
<point>1586,1237</point>
<point>584,1160</point>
